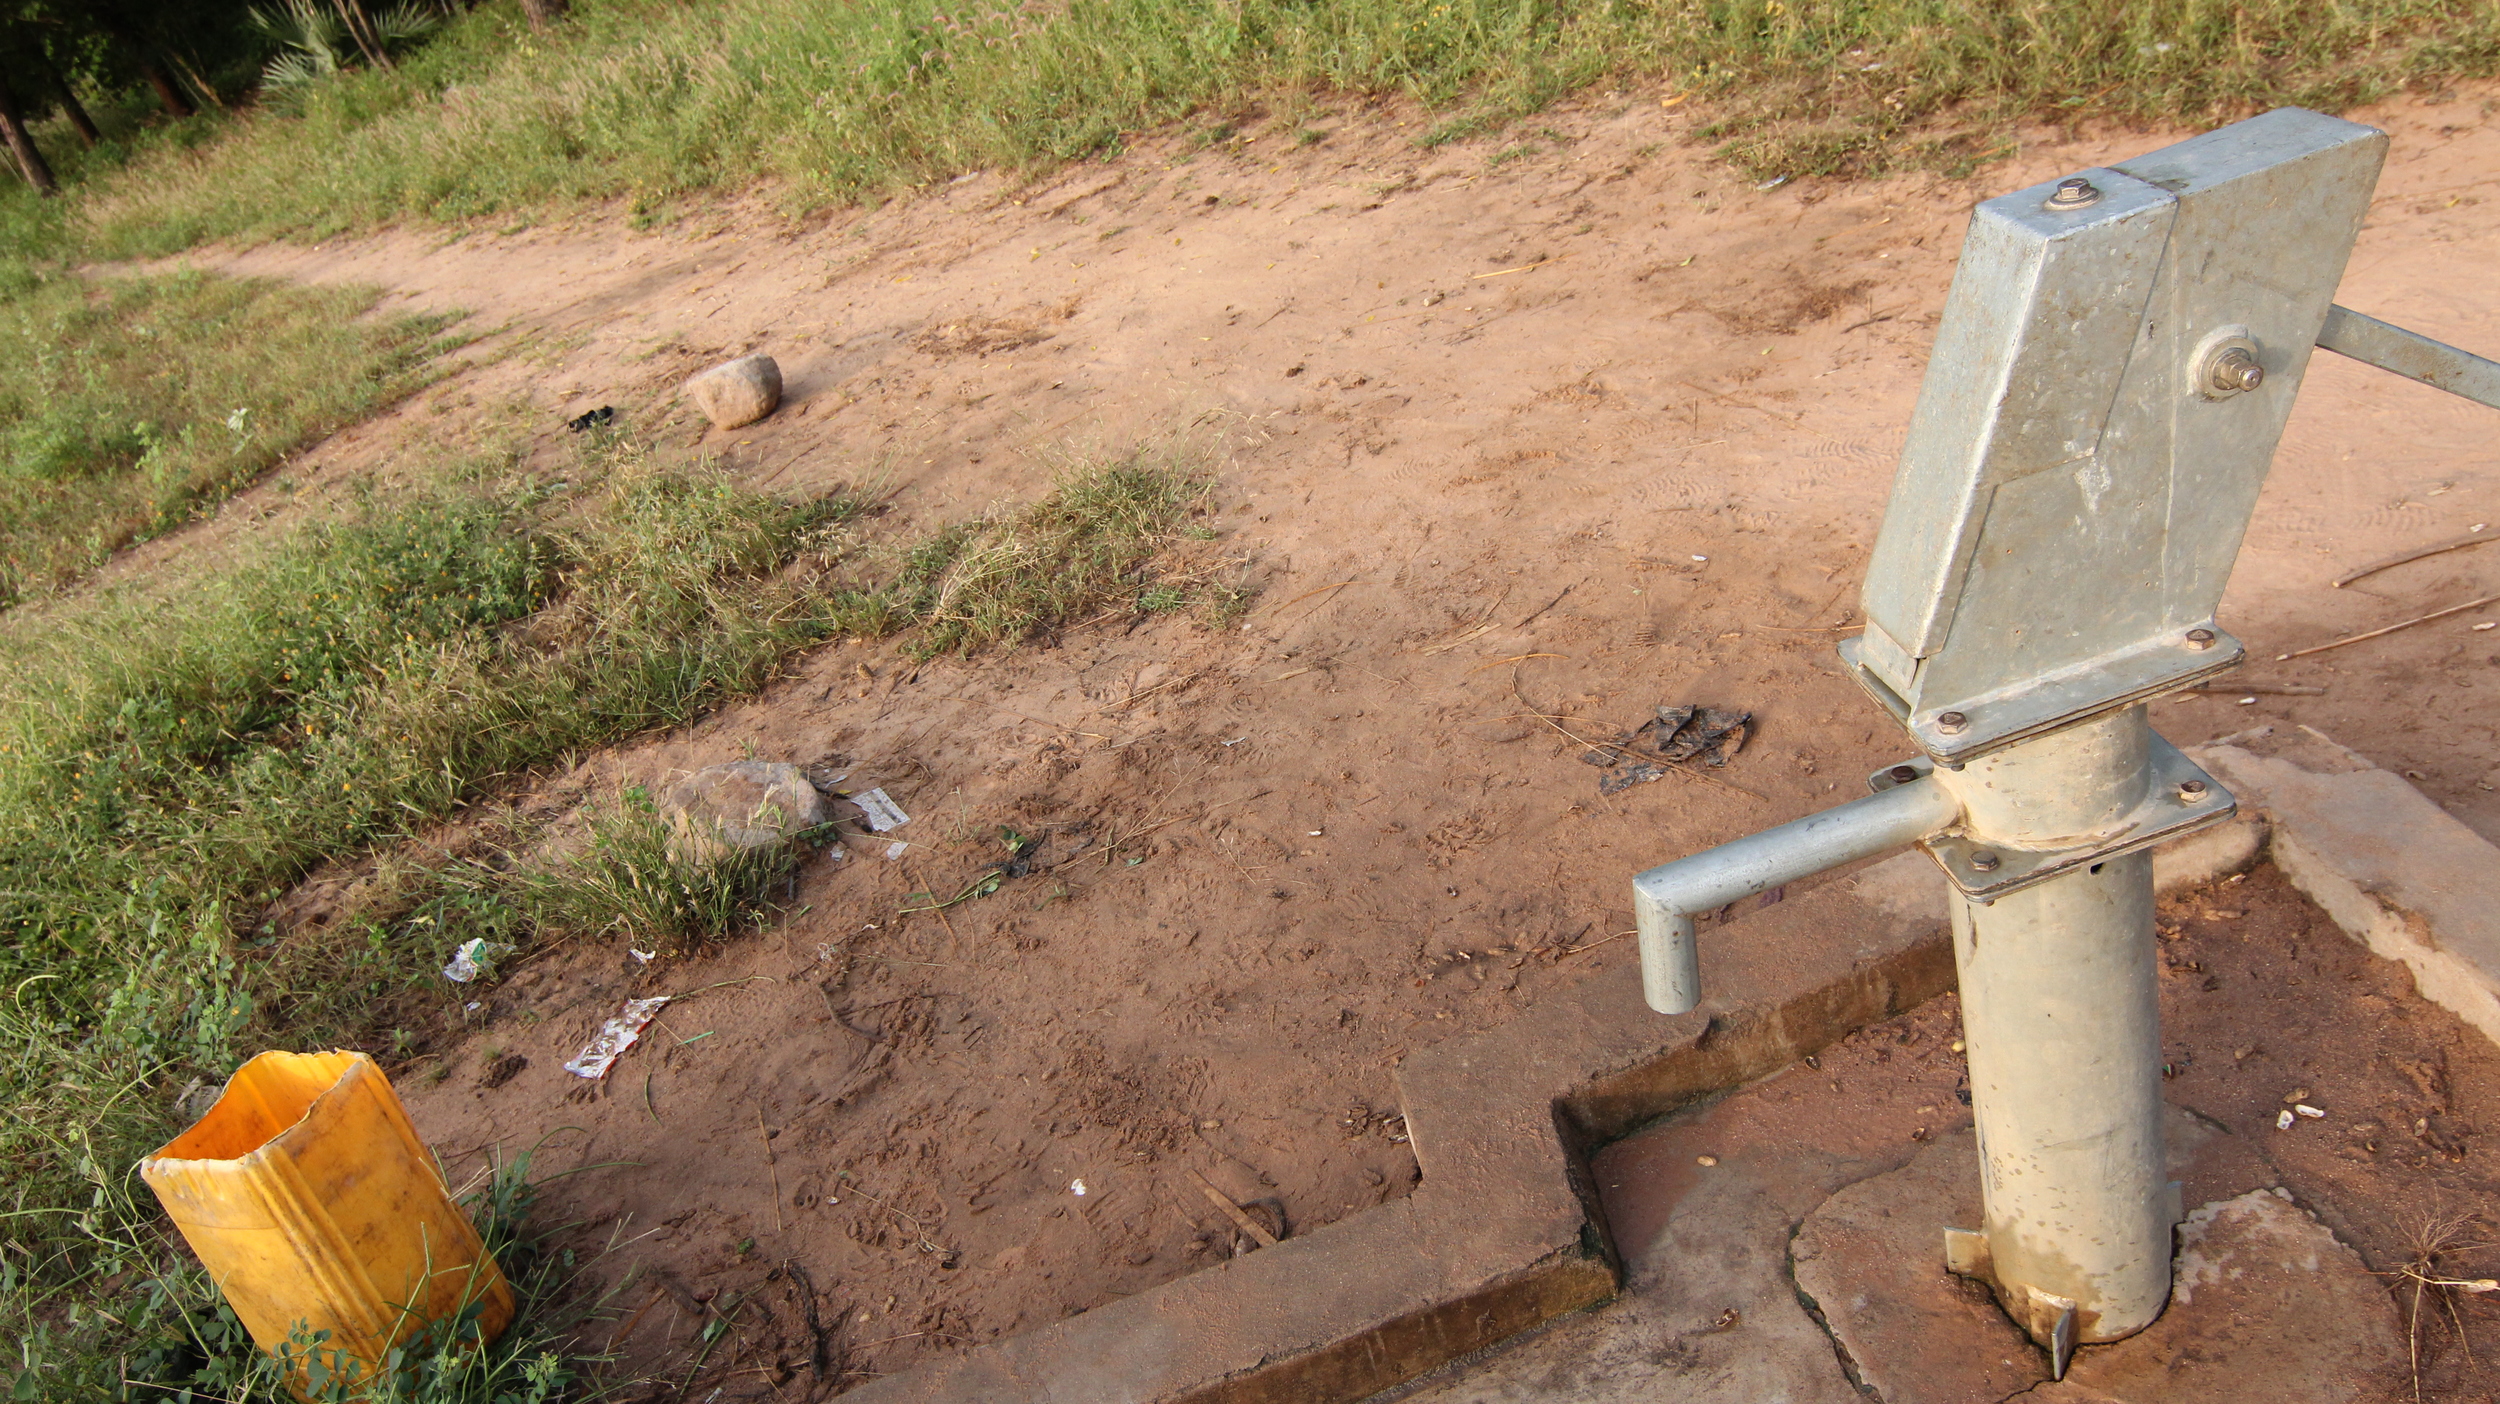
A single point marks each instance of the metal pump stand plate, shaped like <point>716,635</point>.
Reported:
<point>2180,799</point>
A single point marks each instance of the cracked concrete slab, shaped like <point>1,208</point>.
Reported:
<point>2265,1304</point>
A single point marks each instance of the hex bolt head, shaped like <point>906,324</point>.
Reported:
<point>2073,193</point>
<point>1902,774</point>
<point>2200,639</point>
<point>1952,723</point>
<point>2236,370</point>
<point>1982,861</point>
<point>2191,791</point>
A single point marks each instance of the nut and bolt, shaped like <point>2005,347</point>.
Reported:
<point>2235,370</point>
<point>2073,193</point>
<point>1902,774</point>
<point>2200,639</point>
<point>2191,791</point>
<point>1952,723</point>
<point>1982,861</point>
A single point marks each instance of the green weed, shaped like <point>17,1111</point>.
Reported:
<point>632,877</point>
<point>1089,547</point>
<point>188,1343</point>
<point>164,775</point>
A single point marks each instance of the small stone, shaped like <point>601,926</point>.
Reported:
<point>2297,1094</point>
<point>741,806</point>
<point>1705,1161</point>
<point>737,392</point>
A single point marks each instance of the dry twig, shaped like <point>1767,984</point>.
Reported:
<point>2476,537</point>
<point>2374,633</point>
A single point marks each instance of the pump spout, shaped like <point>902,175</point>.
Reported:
<point>1666,898</point>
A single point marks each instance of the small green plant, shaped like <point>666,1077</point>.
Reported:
<point>316,41</point>
<point>644,879</point>
<point>1089,546</point>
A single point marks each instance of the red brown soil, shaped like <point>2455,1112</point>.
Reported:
<point>1593,429</point>
<point>2264,1002</point>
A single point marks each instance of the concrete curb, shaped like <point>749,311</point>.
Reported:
<point>1504,1232</point>
<point>2394,870</point>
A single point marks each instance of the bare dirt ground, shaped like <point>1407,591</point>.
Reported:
<point>1576,423</point>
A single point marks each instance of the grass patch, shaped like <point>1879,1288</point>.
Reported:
<point>646,101</point>
<point>167,772</point>
<point>629,877</point>
<point>1092,546</point>
<point>130,404</point>
<point>187,1339</point>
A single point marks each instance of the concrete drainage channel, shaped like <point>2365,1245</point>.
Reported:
<point>1800,1264</point>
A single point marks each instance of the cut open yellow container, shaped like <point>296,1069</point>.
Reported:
<point>313,1205</point>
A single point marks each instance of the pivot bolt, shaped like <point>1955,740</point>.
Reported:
<point>2200,639</point>
<point>1902,774</point>
<point>1952,723</point>
<point>2236,370</point>
<point>2191,791</point>
<point>2073,193</point>
<point>1983,861</point>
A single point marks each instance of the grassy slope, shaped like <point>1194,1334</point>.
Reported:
<point>831,100</point>
<point>135,402</point>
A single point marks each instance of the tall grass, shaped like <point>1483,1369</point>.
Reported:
<point>835,100</point>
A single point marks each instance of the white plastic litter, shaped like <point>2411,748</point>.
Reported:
<point>615,1036</point>
<point>2307,1110</point>
<point>642,957</point>
<point>2283,1120</point>
<point>881,810</point>
<point>1077,1188</point>
<point>895,850</point>
<point>475,958</point>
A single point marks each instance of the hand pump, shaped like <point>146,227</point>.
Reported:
<point>2114,367</point>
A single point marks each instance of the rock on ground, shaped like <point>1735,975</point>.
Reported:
<point>737,392</point>
<point>743,805</point>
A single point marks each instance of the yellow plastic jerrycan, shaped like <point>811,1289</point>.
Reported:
<point>312,1203</point>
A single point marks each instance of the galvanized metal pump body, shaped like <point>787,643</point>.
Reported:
<point>2111,376</point>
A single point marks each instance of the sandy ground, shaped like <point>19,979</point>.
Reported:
<point>1584,429</point>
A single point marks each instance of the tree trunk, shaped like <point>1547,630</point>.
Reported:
<point>29,160</point>
<point>543,13</point>
<point>360,29</point>
<point>200,85</point>
<point>72,108</point>
<point>176,105</point>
